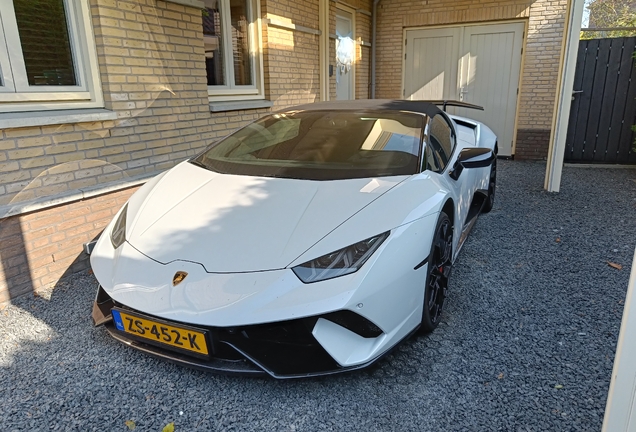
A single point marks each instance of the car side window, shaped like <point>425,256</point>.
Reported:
<point>440,144</point>
<point>430,160</point>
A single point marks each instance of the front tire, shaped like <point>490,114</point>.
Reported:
<point>439,271</point>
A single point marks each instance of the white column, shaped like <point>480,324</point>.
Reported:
<point>620,411</point>
<point>323,25</point>
<point>563,101</point>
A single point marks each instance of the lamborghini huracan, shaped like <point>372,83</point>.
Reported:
<point>309,242</point>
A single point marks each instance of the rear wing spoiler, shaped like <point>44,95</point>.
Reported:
<point>445,103</point>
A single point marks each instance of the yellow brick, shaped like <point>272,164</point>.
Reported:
<point>116,70</point>
<point>56,129</point>
<point>51,190</point>
<point>108,12</point>
<point>109,31</point>
<point>17,133</point>
<point>9,166</point>
<point>35,162</point>
<point>117,158</point>
<point>61,148</point>
<point>64,138</point>
<point>78,184</point>
<point>6,144</point>
<point>110,151</point>
<point>68,157</point>
<point>90,144</point>
<point>26,153</point>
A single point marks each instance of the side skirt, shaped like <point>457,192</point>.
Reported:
<point>479,199</point>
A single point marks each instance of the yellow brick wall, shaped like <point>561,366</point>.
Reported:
<point>152,70</point>
<point>332,51</point>
<point>540,73</point>
<point>39,248</point>
<point>151,65</point>
<point>363,53</point>
<point>291,67</point>
<point>291,59</point>
<point>543,45</point>
<point>363,57</point>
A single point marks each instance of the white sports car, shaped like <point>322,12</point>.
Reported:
<point>309,242</point>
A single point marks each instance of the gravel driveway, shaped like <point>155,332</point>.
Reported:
<point>526,343</point>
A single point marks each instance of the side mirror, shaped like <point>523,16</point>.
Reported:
<point>472,157</point>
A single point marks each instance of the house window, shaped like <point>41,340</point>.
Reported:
<point>231,42</point>
<point>45,55</point>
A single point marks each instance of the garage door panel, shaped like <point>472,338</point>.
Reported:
<point>489,63</point>
<point>478,64</point>
<point>434,76</point>
<point>426,79</point>
<point>490,77</point>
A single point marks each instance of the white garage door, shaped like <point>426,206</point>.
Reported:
<point>479,64</point>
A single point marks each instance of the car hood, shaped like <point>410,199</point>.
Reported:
<point>230,223</point>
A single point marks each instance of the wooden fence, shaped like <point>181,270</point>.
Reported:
<point>604,103</point>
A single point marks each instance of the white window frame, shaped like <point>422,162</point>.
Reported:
<point>230,91</point>
<point>17,95</point>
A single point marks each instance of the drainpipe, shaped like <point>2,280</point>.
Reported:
<point>374,25</point>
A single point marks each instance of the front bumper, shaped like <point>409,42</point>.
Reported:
<point>285,349</point>
<point>283,327</point>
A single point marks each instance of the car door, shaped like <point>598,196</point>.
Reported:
<point>442,149</point>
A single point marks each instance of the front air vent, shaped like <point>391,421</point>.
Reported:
<point>354,322</point>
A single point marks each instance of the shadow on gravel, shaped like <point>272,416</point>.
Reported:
<point>526,343</point>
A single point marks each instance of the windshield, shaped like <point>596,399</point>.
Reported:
<point>321,145</point>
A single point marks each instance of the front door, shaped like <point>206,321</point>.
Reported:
<point>479,64</point>
<point>344,78</point>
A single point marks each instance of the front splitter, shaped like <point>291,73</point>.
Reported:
<point>231,367</point>
<point>283,350</point>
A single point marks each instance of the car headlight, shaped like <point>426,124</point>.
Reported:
<point>341,262</point>
<point>118,234</point>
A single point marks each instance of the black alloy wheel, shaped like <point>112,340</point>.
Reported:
<point>492,184</point>
<point>439,271</point>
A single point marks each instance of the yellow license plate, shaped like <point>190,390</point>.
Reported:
<point>182,338</point>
